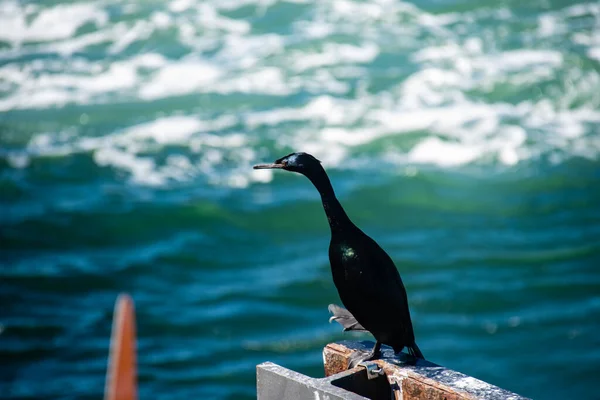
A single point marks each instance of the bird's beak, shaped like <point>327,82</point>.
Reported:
<point>269,166</point>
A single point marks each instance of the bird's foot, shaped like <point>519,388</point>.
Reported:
<point>358,356</point>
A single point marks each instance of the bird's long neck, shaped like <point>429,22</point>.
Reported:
<point>337,217</point>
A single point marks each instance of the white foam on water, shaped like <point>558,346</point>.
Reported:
<point>123,36</point>
<point>472,132</point>
<point>438,109</point>
<point>47,24</point>
<point>516,60</point>
<point>594,52</point>
<point>78,82</point>
<point>315,29</point>
<point>41,98</point>
<point>549,25</point>
<point>591,41</point>
<point>330,110</point>
<point>582,9</point>
<point>267,80</point>
<point>209,18</point>
<point>69,46</point>
<point>178,6</point>
<point>334,54</point>
<point>52,89</point>
<point>365,10</point>
<point>131,150</point>
<point>473,69</point>
<point>435,151</point>
<point>18,160</point>
<point>142,169</point>
<point>262,175</point>
<point>179,78</point>
<point>165,130</point>
<point>433,53</point>
<point>149,60</point>
<point>347,137</point>
<point>248,51</point>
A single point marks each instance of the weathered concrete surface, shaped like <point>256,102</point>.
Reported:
<point>403,379</point>
<point>423,380</point>
<point>336,360</point>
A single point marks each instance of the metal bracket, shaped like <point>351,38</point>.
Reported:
<point>373,370</point>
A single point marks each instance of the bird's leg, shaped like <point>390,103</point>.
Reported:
<point>359,357</point>
<point>376,352</point>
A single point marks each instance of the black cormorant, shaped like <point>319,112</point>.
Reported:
<point>366,278</point>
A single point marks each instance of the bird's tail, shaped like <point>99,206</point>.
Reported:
<point>414,351</point>
<point>345,319</point>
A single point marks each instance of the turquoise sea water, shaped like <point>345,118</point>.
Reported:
<point>464,136</point>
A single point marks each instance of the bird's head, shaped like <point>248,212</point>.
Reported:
<point>302,163</point>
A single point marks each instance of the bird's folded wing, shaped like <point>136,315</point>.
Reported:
<point>345,319</point>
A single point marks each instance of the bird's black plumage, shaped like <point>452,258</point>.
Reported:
<point>365,276</point>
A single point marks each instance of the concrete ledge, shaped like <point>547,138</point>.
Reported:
<point>392,377</point>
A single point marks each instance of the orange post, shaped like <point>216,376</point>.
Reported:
<point>121,377</point>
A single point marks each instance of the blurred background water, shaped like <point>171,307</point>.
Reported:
<point>462,135</point>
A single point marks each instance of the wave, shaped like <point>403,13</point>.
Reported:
<point>234,94</point>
